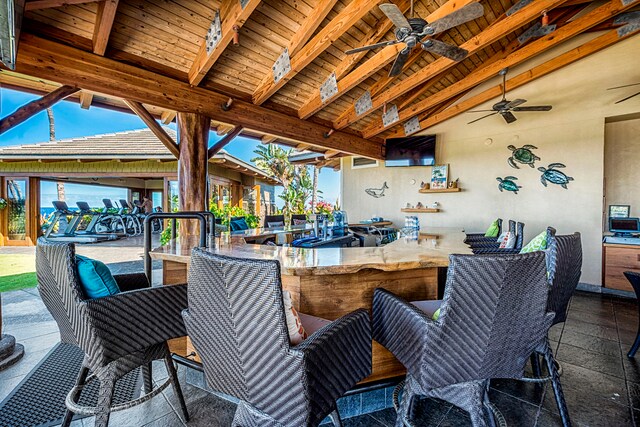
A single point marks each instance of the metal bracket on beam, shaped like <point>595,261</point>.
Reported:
<point>363,104</point>
<point>214,34</point>
<point>329,88</point>
<point>390,116</point>
<point>282,66</point>
<point>243,3</point>
<point>412,126</point>
<point>632,21</point>
<point>537,30</point>
<point>627,2</point>
<point>518,6</point>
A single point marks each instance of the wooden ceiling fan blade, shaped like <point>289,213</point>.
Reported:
<point>628,97</point>
<point>620,87</point>
<point>533,108</point>
<point>516,102</point>
<point>371,46</point>
<point>465,14</point>
<point>395,15</point>
<point>398,64</point>
<point>452,52</point>
<point>508,116</point>
<point>483,117</point>
<point>479,111</point>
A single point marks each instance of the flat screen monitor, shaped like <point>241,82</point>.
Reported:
<point>411,151</point>
<point>624,225</point>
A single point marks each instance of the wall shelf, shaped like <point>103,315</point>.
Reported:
<point>440,190</point>
<point>423,210</point>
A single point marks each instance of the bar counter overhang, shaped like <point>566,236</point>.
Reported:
<point>331,282</point>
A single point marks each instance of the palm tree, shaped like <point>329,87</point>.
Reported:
<point>52,137</point>
<point>275,162</point>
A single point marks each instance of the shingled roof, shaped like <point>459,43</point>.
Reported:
<point>139,144</point>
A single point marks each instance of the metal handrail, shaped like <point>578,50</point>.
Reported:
<point>201,216</point>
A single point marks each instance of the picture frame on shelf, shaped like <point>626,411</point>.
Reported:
<point>439,177</point>
<point>619,211</point>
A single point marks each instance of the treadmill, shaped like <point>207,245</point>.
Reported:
<point>69,233</point>
<point>90,230</point>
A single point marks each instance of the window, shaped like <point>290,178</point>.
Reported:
<point>363,162</point>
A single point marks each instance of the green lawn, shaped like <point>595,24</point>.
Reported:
<point>17,272</point>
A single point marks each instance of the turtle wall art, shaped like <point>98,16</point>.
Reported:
<point>508,183</point>
<point>522,155</point>
<point>553,175</point>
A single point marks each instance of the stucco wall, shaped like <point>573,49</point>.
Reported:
<point>572,133</point>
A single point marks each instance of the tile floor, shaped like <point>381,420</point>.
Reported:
<point>602,386</point>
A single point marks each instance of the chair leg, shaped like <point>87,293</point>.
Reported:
<point>82,378</point>
<point>535,365</point>
<point>176,386</point>
<point>105,396</point>
<point>147,379</point>
<point>406,404</point>
<point>557,387</point>
<point>335,418</point>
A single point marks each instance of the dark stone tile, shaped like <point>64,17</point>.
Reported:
<point>362,421</point>
<point>627,338</point>
<point>593,384</point>
<point>548,419</point>
<point>430,412</point>
<point>555,332</point>
<point>634,394</point>
<point>515,412</point>
<point>631,367</point>
<point>350,406</point>
<point>579,326</point>
<point>139,415</point>
<point>611,365</point>
<point>169,420</point>
<point>386,417</point>
<point>456,417</point>
<point>594,318</point>
<point>527,391</point>
<point>207,409</point>
<point>374,400</point>
<point>591,343</point>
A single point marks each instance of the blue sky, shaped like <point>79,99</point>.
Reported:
<point>72,121</point>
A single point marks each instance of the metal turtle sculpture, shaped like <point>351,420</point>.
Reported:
<point>508,183</point>
<point>522,155</point>
<point>554,176</point>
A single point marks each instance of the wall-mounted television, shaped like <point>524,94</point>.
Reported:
<point>411,151</point>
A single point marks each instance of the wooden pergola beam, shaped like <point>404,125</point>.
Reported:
<point>309,26</point>
<point>32,108</point>
<point>64,64</point>
<point>167,117</point>
<point>151,123</point>
<point>233,20</point>
<point>535,48</point>
<point>86,98</point>
<point>268,139</point>
<point>47,4</point>
<point>215,148</point>
<point>373,65</point>
<point>608,39</point>
<point>104,21</point>
<point>493,33</point>
<point>347,17</point>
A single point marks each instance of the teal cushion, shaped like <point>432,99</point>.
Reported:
<point>95,278</point>
<point>493,230</point>
<point>436,315</point>
<point>238,224</point>
<point>538,243</point>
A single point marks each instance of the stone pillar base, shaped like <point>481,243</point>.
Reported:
<point>10,352</point>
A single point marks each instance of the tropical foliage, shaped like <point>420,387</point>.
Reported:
<point>230,211</point>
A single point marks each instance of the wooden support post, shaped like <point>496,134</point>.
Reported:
<point>26,111</point>
<point>256,188</point>
<point>193,134</point>
<point>33,214</point>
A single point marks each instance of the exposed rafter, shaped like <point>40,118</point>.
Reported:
<point>47,4</point>
<point>268,139</point>
<point>215,148</point>
<point>151,123</point>
<point>493,33</point>
<point>309,26</point>
<point>373,65</point>
<point>349,15</point>
<point>535,48</point>
<point>104,21</point>
<point>167,117</point>
<point>610,38</point>
<point>86,98</point>
<point>235,18</point>
<point>32,108</point>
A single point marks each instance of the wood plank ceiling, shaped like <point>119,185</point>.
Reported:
<point>167,37</point>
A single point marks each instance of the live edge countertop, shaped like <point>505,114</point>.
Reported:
<point>432,249</point>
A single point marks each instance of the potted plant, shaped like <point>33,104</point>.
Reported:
<point>17,222</point>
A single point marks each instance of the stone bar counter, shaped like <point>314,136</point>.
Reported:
<point>331,282</point>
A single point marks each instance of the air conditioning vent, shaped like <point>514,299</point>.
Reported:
<point>363,162</point>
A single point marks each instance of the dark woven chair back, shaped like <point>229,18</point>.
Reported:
<point>59,287</point>
<point>492,318</point>
<point>499,226</point>
<point>564,263</point>
<point>298,216</point>
<point>512,226</point>
<point>519,235</point>
<point>273,218</point>
<point>237,324</point>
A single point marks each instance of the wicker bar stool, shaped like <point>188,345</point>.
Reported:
<point>236,321</point>
<point>117,333</point>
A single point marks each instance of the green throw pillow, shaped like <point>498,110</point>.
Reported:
<point>436,315</point>
<point>95,278</point>
<point>538,243</point>
<point>493,230</point>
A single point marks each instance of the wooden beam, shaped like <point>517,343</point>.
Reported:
<point>167,117</point>
<point>310,25</point>
<point>223,129</point>
<point>608,39</point>
<point>215,148</point>
<point>233,20</point>
<point>32,108</point>
<point>151,123</point>
<point>268,139</point>
<point>53,61</point>
<point>330,153</point>
<point>47,4</point>
<point>104,21</point>
<point>347,17</point>
<point>493,33</point>
<point>543,44</point>
<point>85,100</point>
<point>373,65</point>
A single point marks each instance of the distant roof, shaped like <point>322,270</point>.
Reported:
<point>313,158</point>
<point>139,144</point>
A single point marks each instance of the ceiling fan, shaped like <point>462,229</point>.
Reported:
<point>505,107</point>
<point>628,97</point>
<point>412,31</point>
